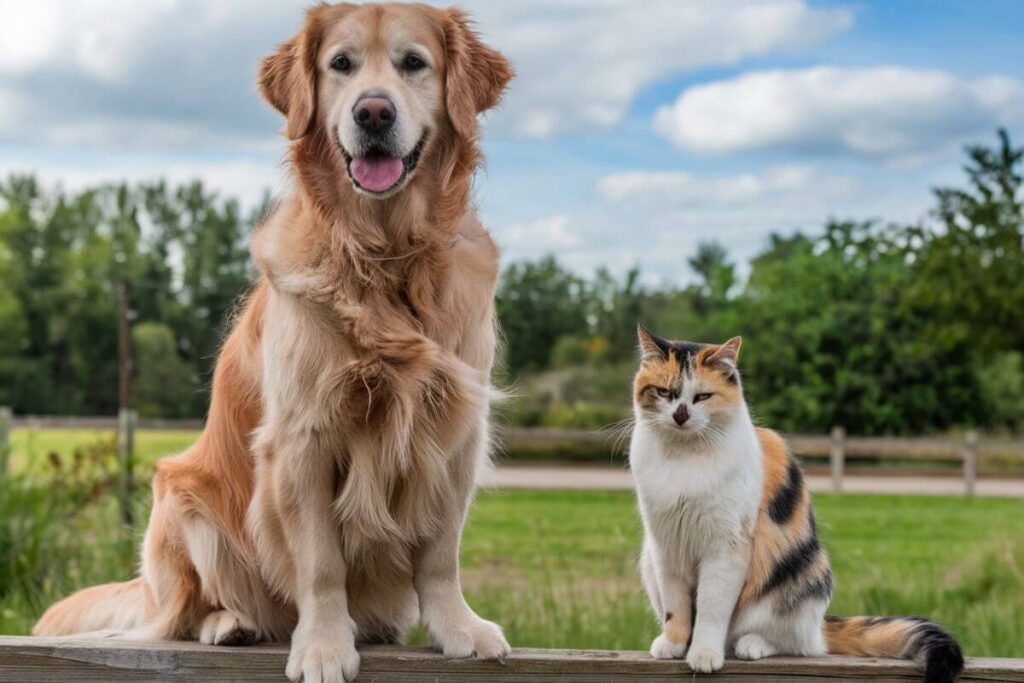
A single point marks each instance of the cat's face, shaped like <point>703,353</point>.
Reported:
<point>686,389</point>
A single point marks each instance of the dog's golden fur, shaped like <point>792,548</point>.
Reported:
<point>349,408</point>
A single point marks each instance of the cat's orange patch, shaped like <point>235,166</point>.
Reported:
<point>654,373</point>
<point>773,540</point>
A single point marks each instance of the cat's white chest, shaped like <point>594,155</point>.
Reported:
<point>695,501</point>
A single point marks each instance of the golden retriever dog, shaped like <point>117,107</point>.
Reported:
<point>325,499</point>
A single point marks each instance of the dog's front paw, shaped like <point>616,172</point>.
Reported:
<point>323,659</point>
<point>705,660</point>
<point>475,637</point>
<point>663,648</point>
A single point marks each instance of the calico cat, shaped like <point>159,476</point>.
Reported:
<point>731,557</point>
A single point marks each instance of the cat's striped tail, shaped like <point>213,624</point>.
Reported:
<point>904,637</point>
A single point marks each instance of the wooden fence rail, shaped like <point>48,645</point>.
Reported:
<point>968,451</point>
<point>53,660</point>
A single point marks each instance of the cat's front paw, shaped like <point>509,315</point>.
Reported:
<point>705,660</point>
<point>663,648</point>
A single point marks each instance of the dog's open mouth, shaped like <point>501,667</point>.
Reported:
<point>377,171</point>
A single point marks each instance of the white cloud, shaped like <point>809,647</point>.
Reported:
<point>657,218</point>
<point>581,64</point>
<point>162,73</point>
<point>530,239</point>
<point>679,188</point>
<point>883,112</point>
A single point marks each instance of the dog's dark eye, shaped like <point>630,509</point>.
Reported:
<point>413,63</point>
<point>702,397</point>
<point>341,63</point>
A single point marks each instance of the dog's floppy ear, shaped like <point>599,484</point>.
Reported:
<point>288,77</point>
<point>476,74</point>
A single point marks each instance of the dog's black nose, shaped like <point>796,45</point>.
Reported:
<point>681,415</point>
<point>374,114</point>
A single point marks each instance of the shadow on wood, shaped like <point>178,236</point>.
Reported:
<point>56,659</point>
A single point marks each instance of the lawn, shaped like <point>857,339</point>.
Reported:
<point>30,447</point>
<point>557,569</point>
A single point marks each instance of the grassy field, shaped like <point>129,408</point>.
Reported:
<point>30,448</point>
<point>557,569</point>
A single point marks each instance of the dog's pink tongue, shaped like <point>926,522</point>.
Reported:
<point>377,175</point>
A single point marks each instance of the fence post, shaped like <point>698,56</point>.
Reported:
<point>970,461</point>
<point>6,420</point>
<point>127,419</point>
<point>837,458</point>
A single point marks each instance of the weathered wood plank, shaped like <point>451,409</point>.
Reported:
<point>54,660</point>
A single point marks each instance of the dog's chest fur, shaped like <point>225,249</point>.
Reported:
<point>389,383</point>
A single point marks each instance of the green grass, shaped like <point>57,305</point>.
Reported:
<point>557,569</point>
<point>30,448</point>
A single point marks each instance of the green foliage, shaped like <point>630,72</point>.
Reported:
<point>59,532</point>
<point>181,252</point>
<point>165,385</point>
<point>881,329</point>
<point>538,303</point>
<point>1001,376</point>
<point>970,273</point>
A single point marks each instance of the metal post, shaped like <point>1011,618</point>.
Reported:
<point>970,462</point>
<point>837,457</point>
<point>126,421</point>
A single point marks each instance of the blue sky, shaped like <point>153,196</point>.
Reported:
<point>634,131</point>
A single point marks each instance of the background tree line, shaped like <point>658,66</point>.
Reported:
<point>881,328</point>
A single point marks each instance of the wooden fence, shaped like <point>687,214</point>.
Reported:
<point>968,451</point>
<point>53,660</point>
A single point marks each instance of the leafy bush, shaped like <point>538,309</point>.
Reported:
<point>59,532</point>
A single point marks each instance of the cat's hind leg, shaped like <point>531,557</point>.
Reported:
<point>754,646</point>
<point>762,629</point>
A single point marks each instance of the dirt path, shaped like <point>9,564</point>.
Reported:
<point>609,478</point>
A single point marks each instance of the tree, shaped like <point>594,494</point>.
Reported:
<point>165,384</point>
<point>717,276</point>
<point>971,271</point>
<point>830,340</point>
<point>537,303</point>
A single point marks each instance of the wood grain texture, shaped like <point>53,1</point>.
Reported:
<point>54,660</point>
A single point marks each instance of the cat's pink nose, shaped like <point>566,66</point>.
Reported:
<point>681,415</point>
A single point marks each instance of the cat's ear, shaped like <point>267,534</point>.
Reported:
<point>651,346</point>
<point>726,355</point>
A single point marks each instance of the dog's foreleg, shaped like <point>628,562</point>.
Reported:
<point>323,644</point>
<point>453,626</point>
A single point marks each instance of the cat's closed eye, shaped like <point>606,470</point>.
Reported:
<point>702,397</point>
<point>664,393</point>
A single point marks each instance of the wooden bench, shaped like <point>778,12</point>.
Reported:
<point>52,660</point>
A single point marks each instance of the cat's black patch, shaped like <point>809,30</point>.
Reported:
<point>668,617</point>
<point>784,503</point>
<point>686,352</point>
<point>792,564</point>
<point>818,588</point>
